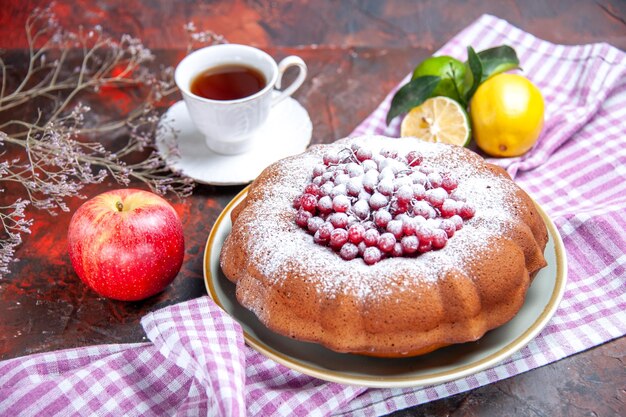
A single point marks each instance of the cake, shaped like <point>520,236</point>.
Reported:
<point>421,246</point>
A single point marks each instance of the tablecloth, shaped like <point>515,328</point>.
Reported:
<point>196,361</point>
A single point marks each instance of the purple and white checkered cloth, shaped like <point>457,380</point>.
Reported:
<point>196,362</point>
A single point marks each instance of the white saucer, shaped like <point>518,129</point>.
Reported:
<point>286,132</point>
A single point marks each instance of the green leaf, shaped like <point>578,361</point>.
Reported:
<point>497,60</point>
<point>412,95</point>
<point>475,70</point>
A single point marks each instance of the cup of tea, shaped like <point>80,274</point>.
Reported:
<point>229,90</point>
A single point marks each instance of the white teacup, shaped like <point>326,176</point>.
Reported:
<point>229,125</point>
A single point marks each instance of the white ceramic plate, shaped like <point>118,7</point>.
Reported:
<point>286,132</point>
<point>443,365</point>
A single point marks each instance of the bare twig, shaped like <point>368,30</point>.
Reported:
<point>52,152</point>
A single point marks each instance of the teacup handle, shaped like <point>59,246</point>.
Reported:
<point>287,62</point>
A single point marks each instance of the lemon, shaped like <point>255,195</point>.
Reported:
<point>507,115</point>
<point>438,119</point>
<point>450,70</point>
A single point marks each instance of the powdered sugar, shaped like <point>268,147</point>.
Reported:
<point>278,247</point>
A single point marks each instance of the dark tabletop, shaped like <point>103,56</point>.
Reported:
<point>356,52</point>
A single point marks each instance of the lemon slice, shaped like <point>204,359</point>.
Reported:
<point>438,119</point>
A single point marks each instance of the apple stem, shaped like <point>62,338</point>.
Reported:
<point>119,206</point>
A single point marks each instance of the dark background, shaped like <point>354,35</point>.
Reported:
<point>356,52</point>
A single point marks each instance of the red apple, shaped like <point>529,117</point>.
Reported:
<point>126,244</point>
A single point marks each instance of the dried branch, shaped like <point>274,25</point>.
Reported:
<point>53,149</point>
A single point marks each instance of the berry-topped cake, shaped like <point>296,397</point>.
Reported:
<point>384,247</point>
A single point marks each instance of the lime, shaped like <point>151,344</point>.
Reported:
<point>450,70</point>
<point>438,119</point>
<point>507,115</point>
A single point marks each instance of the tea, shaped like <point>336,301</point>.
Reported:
<point>227,98</point>
<point>228,82</point>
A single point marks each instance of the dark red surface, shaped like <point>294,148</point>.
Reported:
<point>356,52</point>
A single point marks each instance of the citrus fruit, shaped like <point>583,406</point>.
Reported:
<point>449,69</point>
<point>438,119</point>
<point>507,115</point>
